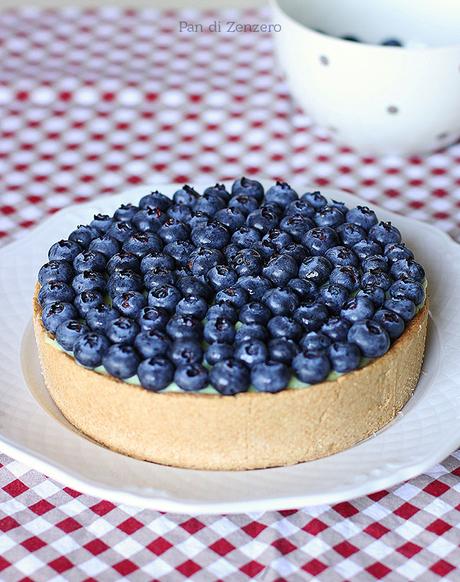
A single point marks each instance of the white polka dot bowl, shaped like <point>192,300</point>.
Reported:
<point>378,99</point>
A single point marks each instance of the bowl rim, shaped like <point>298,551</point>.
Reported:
<point>276,5</point>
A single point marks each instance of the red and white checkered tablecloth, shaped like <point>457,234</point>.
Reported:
<point>93,101</point>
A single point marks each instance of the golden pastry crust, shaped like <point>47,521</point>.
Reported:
<point>246,431</point>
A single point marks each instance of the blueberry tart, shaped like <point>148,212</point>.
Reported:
<point>233,328</point>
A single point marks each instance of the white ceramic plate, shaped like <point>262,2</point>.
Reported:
<point>33,431</point>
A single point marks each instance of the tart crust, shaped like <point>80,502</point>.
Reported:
<point>245,431</point>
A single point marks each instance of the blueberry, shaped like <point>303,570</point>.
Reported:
<point>236,296</point>
<point>245,204</point>
<point>89,281</point>
<point>311,367</point>
<point>151,343</point>
<point>186,195</point>
<point>378,278</point>
<point>83,235</point>
<point>217,352</point>
<point>209,204</point>
<point>315,269</point>
<point>105,244</point>
<point>233,218</point>
<point>180,212</point>
<point>282,349</point>
<point>89,261</point>
<point>213,235</point>
<point>385,233</point>
<point>122,261</point>
<point>301,208</point>
<point>350,234</point>
<point>164,296</point>
<point>367,248</point>
<point>318,240</point>
<point>405,308</point>
<point>357,309</point>
<point>254,312</point>
<point>270,377</point>
<point>89,349</point>
<point>191,377</point>
<point>280,269</point>
<point>296,226</point>
<point>315,341</point>
<point>101,222</point>
<point>265,249</point>
<point>226,310</point>
<point>55,271</point>
<point>391,322</point>
<point>315,199</point>
<point>141,243</point>
<point>284,326</point>
<point>184,327</point>
<point>306,290</point>
<point>281,193</point>
<point>344,357</point>
<point>121,361</point>
<point>231,250</point>
<point>68,332</point>
<point>198,218</point>
<point>375,262</point>
<point>297,251</point>
<point>281,300</point>
<point>340,206</point>
<point>245,237</point>
<point>408,289</point>
<point>262,220</point>
<point>88,300</point>
<point>180,251</point>
<point>278,238</point>
<point>409,268</point>
<point>155,373</point>
<point>362,216</point>
<point>221,277</point>
<point>247,262</point>
<point>129,303</point>
<point>159,276</point>
<point>343,256</point>
<point>230,377</point>
<point>373,292</point>
<point>336,328</point>
<point>64,250</point>
<point>194,306</point>
<point>149,219</point>
<point>124,280</point>
<point>156,199</point>
<point>251,352</point>
<point>125,212</point>
<point>219,191</point>
<point>311,316</point>
<point>395,252</point>
<point>98,317</point>
<point>173,230</point>
<point>121,230</point>
<point>219,329</point>
<point>186,351</point>
<point>122,330</point>
<point>249,331</point>
<point>370,337</point>
<point>153,318</point>
<point>333,296</point>
<point>155,259</point>
<point>248,188</point>
<point>55,291</point>
<point>329,216</point>
<point>204,259</point>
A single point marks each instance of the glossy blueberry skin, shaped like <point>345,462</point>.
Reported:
<point>122,281</point>
<point>306,290</point>
<point>391,322</point>
<point>280,269</point>
<point>374,293</point>
<point>230,251</point>
<point>153,318</point>
<point>284,326</point>
<point>222,277</point>
<point>185,351</point>
<point>180,251</point>
<point>357,309</point>
<point>395,252</point>
<point>295,250</point>
<point>101,222</point>
<point>385,233</point>
<point>370,337</point>
<point>251,352</point>
<point>233,218</point>
<point>265,248</point>
<point>194,306</point>
<point>281,193</point>
<point>56,312</point>
<point>245,204</point>
<point>55,271</point>
<point>408,289</point>
<point>311,316</point>
<point>219,191</point>
<point>300,208</point>
<point>367,248</point>
<point>186,195</point>
<point>315,269</point>
<point>329,216</point>
<point>130,303</point>
<point>122,330</point>
<point>296,226</point>
<point>64,250</point>
<point>343,256</point>
<point>180,212</point>
<point>106,245</point>
<point>375,262</point>
<point>156,259</point>
<point>344,357</point>
<point>378,278</point>
<point>315,199</point>
<point>87,300</point>
<point>351,234</point>
<point>152,343</point>
<point>340,206</point>
<point>226,310</point>
<point>155,199</point>
<point>255,312</point>
<point>407,268</point>
<point>333,296</point>
<point>236,296</point>
<point>210,204</point>
<point>191,377</point>
<point>270,376</point>
<point>278,238</point>
<point>55,291</point>
<point>125,212</point>
<point>122,261</point>
<point>155,373</point>
<point>246,237</point>
<point>89,261</point>
<point>318,240</point>
<point>247,262</point>
<point>83,235</point>
<point>164,296</point>
<point>184,327</point>
<point>405,308</point>
<point>347,277</point>
<point>281,300</point>
<point>204,259</point>
<point>198,218</point>
<point>89,349</point>
<point>99,317</point>
<point>336,328</point>
<point>121,231</point>
<point>311,367</point>
<point>362,216</point>
<point>230,377</point>
<point>315,341</point>
<point>173,230</point>
<point>282,349</point>
<point>249,331</point>
<point>262,220</point>
<point>68,332</point>
<point>248,187</point>
<point>121,361</point>
<point>219,329</point>
<point>217,352</point>
<point>141,243</point>
<point>149,219</point>
<point>159,276</point>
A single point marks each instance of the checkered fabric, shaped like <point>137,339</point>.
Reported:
<point>93,101</point>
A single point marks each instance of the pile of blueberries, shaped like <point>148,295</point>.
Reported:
<point>232,289</point>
